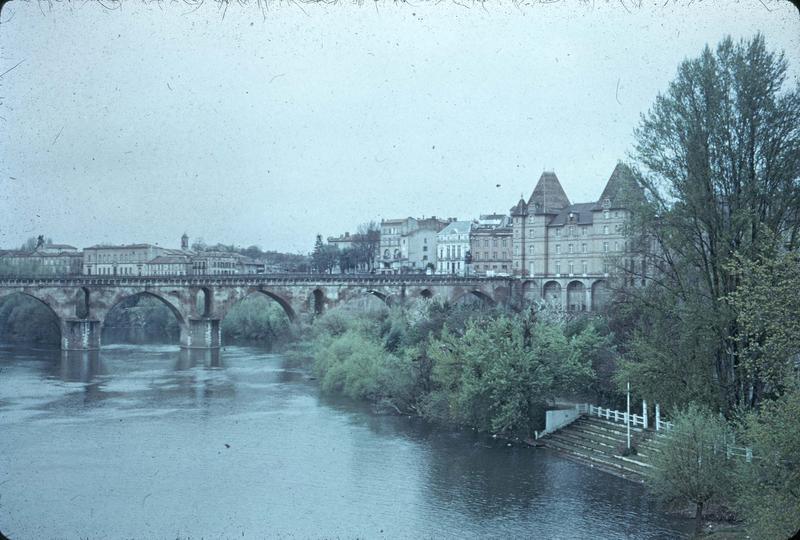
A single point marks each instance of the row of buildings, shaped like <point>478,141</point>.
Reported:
<point>124,260</point>
<point>545,235</point>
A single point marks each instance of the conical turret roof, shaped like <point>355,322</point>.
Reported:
<point>622,190</point>
<point>520,209</point>
<point>548,196</point>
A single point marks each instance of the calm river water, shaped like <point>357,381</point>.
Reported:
<point>150,442</point>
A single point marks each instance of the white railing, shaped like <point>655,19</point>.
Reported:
<point>730,450</point>
<point>614,415</point>
<point>661,425</point>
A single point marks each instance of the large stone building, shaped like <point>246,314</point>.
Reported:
<point>120,260</point>
<point>44,260</point>
<point>409,245</point>
<point>565,252</point>
<point>151,260</point>
<point>490,246</point>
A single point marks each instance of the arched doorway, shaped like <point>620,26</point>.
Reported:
<point>576,296</point>
<point>601,295</point>
<point>551,293</point>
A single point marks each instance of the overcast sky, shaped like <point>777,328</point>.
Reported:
<point>138,124</point>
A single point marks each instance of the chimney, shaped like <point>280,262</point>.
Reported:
<point>185,241</point>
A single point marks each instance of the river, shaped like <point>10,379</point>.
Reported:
<point>154,442</point>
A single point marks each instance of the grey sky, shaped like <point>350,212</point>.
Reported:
<point>141,123</point>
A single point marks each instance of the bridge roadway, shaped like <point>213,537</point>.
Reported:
<point>200,302</point>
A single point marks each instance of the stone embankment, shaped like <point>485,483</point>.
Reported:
<point>600,444</point>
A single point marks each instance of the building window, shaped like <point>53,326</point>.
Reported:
<point>572,230</point>
<point>616,246</point>
<point>585,267</point>
<point>571,268</point>
<point>583,230</point>
<point>494,254</point>
<point>605,247</point>
<point>558,231</point>
<point>605,268</point>
<point>558,267</point>
<point>605,229</point>
<point>504,242</point>
<point>606,214</point>
<point>558,249</point>
<point>570,248</point>
<point>485,242</point>
<point>583,248</point>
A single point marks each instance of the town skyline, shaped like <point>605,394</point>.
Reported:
<point>353,118</point>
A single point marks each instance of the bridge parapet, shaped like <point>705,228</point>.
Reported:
<point>199,303</point>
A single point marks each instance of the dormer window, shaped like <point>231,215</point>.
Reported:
<point>606,203</point>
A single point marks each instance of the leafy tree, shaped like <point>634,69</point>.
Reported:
<point>366,243</point>
<point>31,243</point>
<point>346,260</point>
<point>692,464</point>
<point>499,374</point>
<point>766,304</point>
<point>257,318</point>
<point>719,157</point>
<point>768,489</point>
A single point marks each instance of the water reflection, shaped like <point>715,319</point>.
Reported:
<point>143,423</point>
<point>81,366</point>
<point>190,358</point>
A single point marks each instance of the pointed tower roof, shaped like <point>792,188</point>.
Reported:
<point>548,196</point>
<point>621,191</point>
<point>520,209</point>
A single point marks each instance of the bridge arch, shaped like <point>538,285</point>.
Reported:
<point>55,317</point>
<point>119,299</point>
<point>283,302</point>
<point>387,299</point>
<point>485,298</point>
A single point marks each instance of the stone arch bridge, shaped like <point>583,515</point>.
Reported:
<point>199,303</point>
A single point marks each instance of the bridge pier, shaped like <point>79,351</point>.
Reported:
<point>80,334</point>
<point>201,334</point>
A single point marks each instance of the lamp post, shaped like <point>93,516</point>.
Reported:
<point>628,416</point>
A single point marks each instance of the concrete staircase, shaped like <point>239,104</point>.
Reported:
<point>597,442</point>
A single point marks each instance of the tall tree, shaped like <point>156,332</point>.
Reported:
<point>719,159</point>
<point>366,244</point>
